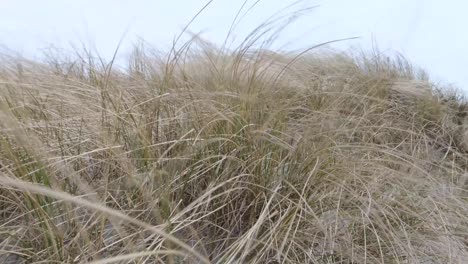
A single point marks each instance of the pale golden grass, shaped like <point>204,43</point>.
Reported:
<point>248,156</point>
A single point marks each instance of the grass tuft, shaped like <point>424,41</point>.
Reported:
<point>245,156</point>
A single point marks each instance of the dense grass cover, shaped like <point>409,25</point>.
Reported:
<point>247,156</point>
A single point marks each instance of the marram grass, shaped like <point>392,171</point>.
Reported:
<point>250,156</point>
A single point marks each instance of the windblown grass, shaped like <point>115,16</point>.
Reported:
<point>247,156</point>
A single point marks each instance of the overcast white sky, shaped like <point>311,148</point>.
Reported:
<point>431,33</point>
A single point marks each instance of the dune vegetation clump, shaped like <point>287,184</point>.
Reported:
<point>206,155</point>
